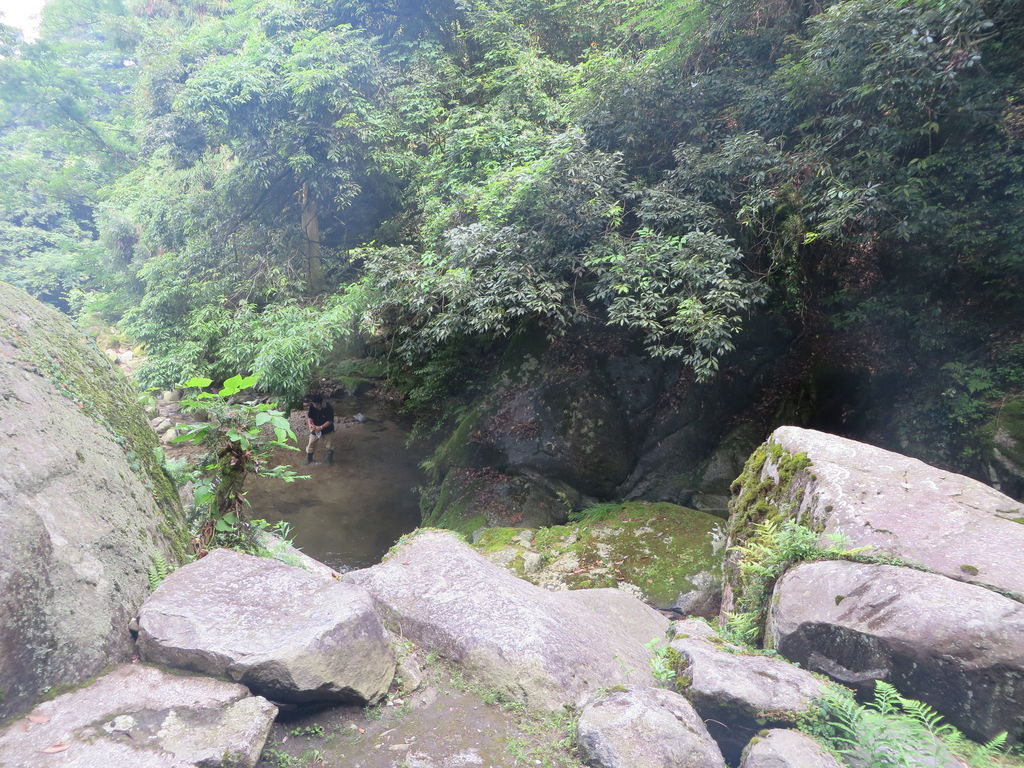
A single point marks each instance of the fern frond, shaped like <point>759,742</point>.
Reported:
<point>887,699</point>
<point>157,571</point>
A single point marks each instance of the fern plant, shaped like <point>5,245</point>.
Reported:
<point>771,549</point>
<point>894,731</point>
<point>157,571</point>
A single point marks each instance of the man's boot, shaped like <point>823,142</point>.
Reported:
<point>309,458</point>
<point>330,457</point>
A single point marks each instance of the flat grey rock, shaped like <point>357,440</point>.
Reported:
<point>737,693</point>
<point>956,646</point>
<point>141,717</point>
<point>645,728</point>
<point>547,649</point>
<point>782,748</point>
<point>288,634</point>
<point>900,506</point>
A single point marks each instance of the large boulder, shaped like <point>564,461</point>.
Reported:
<point>85,505</point>
<point>142,717</point>
<point>544,648</point>
<point>645,728</point>
<point>288,634</point>
<point>737,693</point>
<point>956,646</point>
<point>781,748</point>
<point>893,504</point>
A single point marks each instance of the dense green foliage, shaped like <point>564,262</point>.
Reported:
<point>241,184</point>
<point>239,438</point>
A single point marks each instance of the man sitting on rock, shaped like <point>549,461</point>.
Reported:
<point>321,427</point>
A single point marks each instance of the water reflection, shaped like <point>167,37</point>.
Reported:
<point>350,513</point>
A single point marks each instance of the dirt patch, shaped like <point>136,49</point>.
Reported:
<point>446,723</point>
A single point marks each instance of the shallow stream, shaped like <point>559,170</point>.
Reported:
<point>347,514</point>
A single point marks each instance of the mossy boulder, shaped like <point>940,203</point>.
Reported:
<point>737,693</point>
<point>353,376</point>
<point>548,430</point>
<point>592,417</point>
<point>85,505</point>
<point>669,555</point>
<point>891,505</point>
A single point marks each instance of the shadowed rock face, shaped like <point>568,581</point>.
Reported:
<point>544,648</point>
<point>956,646</point>
<point>142,717</point>
<point>85,505</point>
<point>288,634</point>
<point>645,728</point>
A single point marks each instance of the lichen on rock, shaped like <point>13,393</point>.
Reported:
<point>85,504</point>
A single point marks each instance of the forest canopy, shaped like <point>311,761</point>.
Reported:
<point>239,184</point>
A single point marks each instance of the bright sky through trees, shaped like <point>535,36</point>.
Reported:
<point>23,14</point>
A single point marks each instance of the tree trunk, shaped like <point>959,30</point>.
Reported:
<point>311,235</point>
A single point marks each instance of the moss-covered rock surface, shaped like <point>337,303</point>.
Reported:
<point>657,551</point>
<point>85,504</point>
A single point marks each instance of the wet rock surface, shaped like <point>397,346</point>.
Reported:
<point>736,693</point>
<point>781,748</point>
<point>85,506</point>
<point>142,717</point>
<point>545,649</point>
<point>291,635</point>
<point>956,646</point>
<point>645,728</point>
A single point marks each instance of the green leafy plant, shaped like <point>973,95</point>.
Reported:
<point>240,438</point>
<point>315,731</point>
<point>772,548</point>
<point>158,570</point>
<point>894,731</point>
<point>663,665</point>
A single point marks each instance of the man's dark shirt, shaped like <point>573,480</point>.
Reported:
<point>322,414</point>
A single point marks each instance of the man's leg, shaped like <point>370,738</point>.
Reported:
<point>329,446</point>
<point>309,448</point>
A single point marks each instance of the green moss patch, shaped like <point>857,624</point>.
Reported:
<point>454,508</point>
<point>496,539</point>
<point>355,385</point>
<point>662,550</point>
<point>758,496</point>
